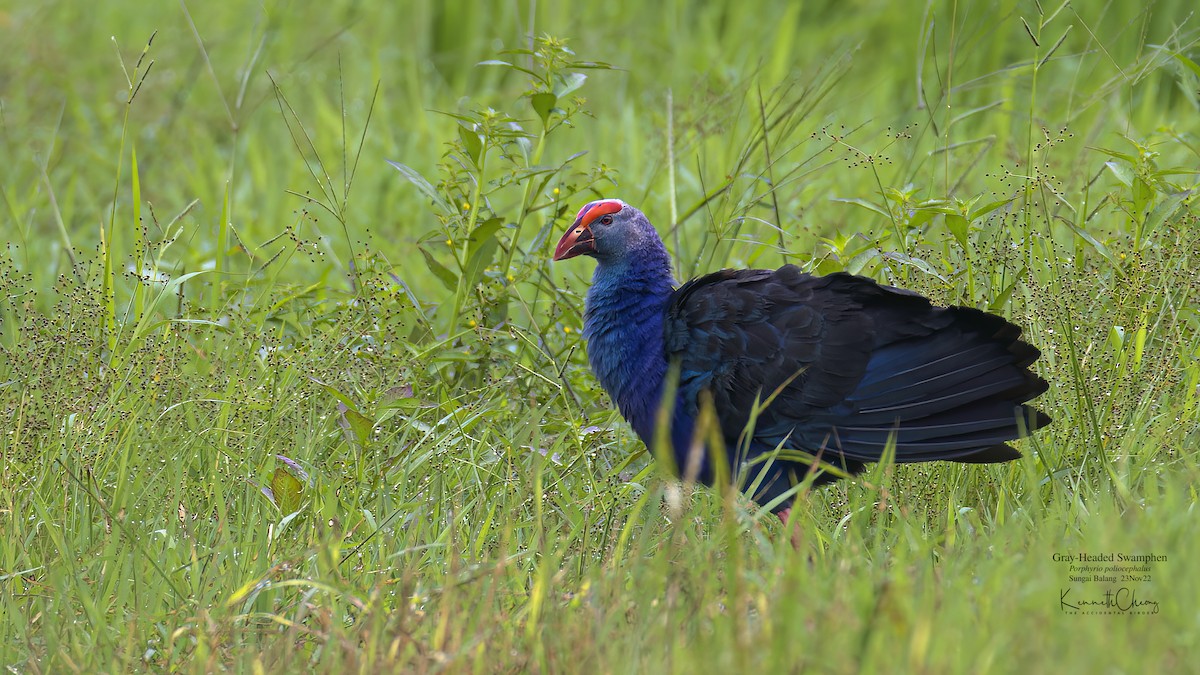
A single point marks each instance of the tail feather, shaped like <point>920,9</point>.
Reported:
<point>943,401</point>
<point>866,447</point>
<point>940,374</point>
<point>957,394</point>
<point>995,453</point>
<point>898,357</point>
<point>994,415</point>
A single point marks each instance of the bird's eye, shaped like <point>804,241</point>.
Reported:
<point>606,220</point>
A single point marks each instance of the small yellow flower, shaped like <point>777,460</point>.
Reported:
<point>510,277</point>
<point>450,243</point>
<point>466,206</point>
<point>473,323</point>
<point>555,190</point>
<point>566,329</point>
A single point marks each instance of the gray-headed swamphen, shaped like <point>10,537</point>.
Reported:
<point>849,364</point>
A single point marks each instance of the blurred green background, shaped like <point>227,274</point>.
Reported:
<point>207,117</point>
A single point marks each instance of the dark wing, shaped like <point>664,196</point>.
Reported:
<point>854,363</point>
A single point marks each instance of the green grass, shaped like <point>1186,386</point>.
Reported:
<point>272,405</point>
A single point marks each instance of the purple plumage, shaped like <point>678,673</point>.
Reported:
<point>849,366</point>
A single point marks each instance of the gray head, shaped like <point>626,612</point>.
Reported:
<point>610,231</point>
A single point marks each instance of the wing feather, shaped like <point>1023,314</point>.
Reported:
<point>853,365</point>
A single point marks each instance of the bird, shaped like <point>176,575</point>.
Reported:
<point>804,373</point>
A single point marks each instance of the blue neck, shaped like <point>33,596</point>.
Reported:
<point>624,330</point>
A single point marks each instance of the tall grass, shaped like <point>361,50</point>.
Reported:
<point>273,405</point>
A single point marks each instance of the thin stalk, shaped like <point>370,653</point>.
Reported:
<point>671,177</point>
<point>525,202</point>
<point>460,294</point>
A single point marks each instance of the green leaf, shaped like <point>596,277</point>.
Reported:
<point>288,491</point>
<point>344,399</point>
<point>170,291</point>
<point>921,216</point>
<point>978,212</point>
<point>543,104</point>
<point>1143,195</point>
<point>1139,346</point>
<point>472,143</point>
<point>958,226</point>
<point>1096,244</point>
<point>593,65</point>
<point>1190,64</point>
<point>997,304</point>
<point>1165,210</point>
<point>866,205</point>
<point>1122,172</point>
<point>506,64</point>
<point>357,424</point>
<point>423,185</point>
<point>349,419</point>
<point>859,262</point>
<point>466,119</point>
<point>918,263</point>
<point>1126,157</point>
<point>1174,171</point>
<point>569,83</point>
<point>1116,336</point>
<point>526,149</point>
<point>483,248</point>
<point>444,275</point>
<point>829,265</point>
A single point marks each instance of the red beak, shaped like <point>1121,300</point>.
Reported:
<point>576,241</point>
